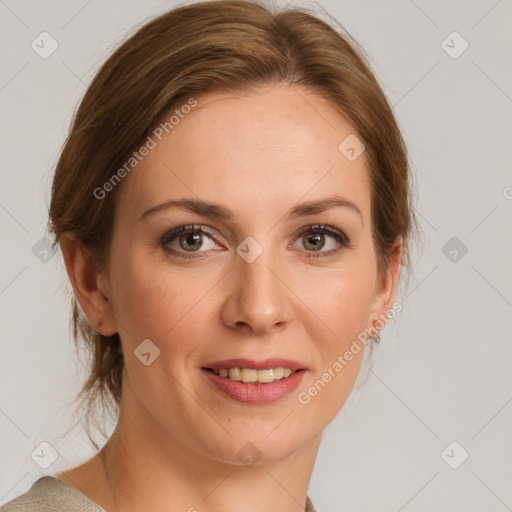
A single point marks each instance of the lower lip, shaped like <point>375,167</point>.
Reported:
<point>255,393</point>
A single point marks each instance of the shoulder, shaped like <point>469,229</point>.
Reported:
<point>49,494</point>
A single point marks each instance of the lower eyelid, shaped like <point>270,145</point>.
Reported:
<point>340,238</point>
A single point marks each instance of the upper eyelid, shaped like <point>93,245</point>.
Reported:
<point>168,236</point>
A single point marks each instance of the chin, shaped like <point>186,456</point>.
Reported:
<point>260,443</point>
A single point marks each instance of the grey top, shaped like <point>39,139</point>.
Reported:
<point>49,494</point>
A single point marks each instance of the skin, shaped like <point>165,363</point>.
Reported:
<point>177,438</point>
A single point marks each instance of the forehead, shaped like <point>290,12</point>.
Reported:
<point>275,144</point>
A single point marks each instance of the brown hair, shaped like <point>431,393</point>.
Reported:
<point>219,45</point>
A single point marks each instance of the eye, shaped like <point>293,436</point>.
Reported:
<point>184,241</point>
<point>187,239</point>
<point>318,237</point>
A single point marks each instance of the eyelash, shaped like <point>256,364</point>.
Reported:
<point>340,237</point>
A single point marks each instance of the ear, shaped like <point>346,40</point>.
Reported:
<point>90,287</point>
<point>385,289</point>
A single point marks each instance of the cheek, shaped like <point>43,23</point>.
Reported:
<point>346,311</point>
<point>140,295</point>
<point>154,299</point>
<point>341,298</point>
<point>350,304</point>
<point>344,305</point>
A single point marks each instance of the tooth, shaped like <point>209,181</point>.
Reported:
<point>278,373</point>
<point>249,375</point>
<point>265,376</point>
<point>234,374</point>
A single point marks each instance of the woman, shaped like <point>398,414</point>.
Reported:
<point>233,208</point>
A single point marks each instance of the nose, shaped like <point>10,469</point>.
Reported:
<point>258,299</point>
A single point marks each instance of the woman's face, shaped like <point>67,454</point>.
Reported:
<point>255,279</point>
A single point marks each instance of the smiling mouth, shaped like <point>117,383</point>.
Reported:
<point>253,376</point>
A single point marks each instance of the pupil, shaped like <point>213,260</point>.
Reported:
<point>316,237</point>
<point>191,239</point>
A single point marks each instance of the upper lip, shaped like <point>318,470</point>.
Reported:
<point>264,364</point>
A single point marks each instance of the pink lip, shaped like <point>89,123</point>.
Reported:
<point>257,365</point>
<point>255,393</point>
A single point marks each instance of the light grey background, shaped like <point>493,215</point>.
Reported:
<point>442,372</point>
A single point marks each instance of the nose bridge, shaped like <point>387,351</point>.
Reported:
<point>258,276</point>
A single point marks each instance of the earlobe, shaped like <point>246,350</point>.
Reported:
<point>88,285</point>
<point>386,286</point>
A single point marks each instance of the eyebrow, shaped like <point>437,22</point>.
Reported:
<point>218,212</point>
